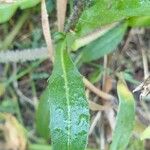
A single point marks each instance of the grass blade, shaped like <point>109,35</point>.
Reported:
<point>125,117</point>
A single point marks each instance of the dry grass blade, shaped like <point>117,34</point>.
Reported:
<point>61,13</point>
<point>96,107</point>
<point>144,58</point>
<point>98,92</point>
<point>46,29</point>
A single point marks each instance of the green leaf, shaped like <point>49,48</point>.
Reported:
<point>69,114</point>
<point>128,77</point>
<point>142,21</point>
<point>28,3</point>
<point>7,10</point>
<point>103,45</point>
<point>42,115</point>
<point>109,11</point>
<point>125,117</point>
<point>146,134</point>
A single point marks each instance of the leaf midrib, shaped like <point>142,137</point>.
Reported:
<point>67,97</point>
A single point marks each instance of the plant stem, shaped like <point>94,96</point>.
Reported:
<point>8,40</point>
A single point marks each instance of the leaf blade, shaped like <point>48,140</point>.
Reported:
<point>125,118</point>
<point>103,45</point>
<point>7,10</point>
<point>106,12</point>
<point>68,106</point>
<point>42,123</point>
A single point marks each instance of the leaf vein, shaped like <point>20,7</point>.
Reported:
<point>67,97</point>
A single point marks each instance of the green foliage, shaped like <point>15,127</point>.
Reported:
<point>128,77</point>
<point>7,10</point>
<point>109,11</point>
<point>62,111</point>
<point>142,21</point>
<point>136,144</point>
<point>103,45</point>
<point>125,117</point>
<point>69,116</point>
<point>42,115</point>
<point>8,106</point>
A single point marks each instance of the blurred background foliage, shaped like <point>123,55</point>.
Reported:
<point>22,84</point>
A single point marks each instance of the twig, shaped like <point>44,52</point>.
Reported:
<point>144,58</point>
<point>102,137</point>
<point>105,73</point>
<point>96,107</point>
<point>97,117</point>
<point>46,29</point>
<point>61,13</point>
<point>98,92</point>
<point>109,112</point>
<point>127,41</point>
<point>19,93</point>
<point>77,10</point>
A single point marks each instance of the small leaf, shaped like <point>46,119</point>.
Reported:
<point>109,11</point>
<point>42,115</point>
<point>125,117</point>
<point>146,134</point>
<point>69,114</point>
<point>7,10</point>
<point>103,45</point>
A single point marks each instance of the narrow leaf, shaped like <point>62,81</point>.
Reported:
<point>146,134</point>
<point>125,117</point>
<point>69,114</point>
<point>42,115</point>
<point>103,45</point>
<point>109,11</point>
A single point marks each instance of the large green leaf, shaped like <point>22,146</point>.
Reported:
<point>69,114</point>
<point>125,117</point>
<point>103,45</point>
<point>108,11</point>
<point>7,10</point>
<point>42,115</point>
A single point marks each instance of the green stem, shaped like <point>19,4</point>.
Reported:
<point>8,40</point>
